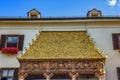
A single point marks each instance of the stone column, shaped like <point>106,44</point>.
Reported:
<point>74,75</point>
<point>22,75</point>
<point>101,74</point>
<point>48,75</point>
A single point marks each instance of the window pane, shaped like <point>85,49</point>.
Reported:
<point>4,78</point>
<point>119,37</point>
<point>11,44</point>
<point>14,45</point>
<point>95,15</point>
<point>15,39</point>
<point>10,79</point>
<point>11,73</point>
<point>10,39</point>
<point>33,16</point>
<point>4,73</point>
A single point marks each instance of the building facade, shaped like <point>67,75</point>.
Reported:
<point>36,48</point>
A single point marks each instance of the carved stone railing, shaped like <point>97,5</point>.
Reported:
<point>61,66</point>
<point>72,67</point>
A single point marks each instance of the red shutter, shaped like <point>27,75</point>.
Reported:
<point>3,39</point>
<point>115,41</point>
<point>21,41</point>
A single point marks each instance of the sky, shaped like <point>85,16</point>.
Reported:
<point>58,8</point>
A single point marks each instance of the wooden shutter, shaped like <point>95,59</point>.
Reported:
<point>3,39</point>
<point>16,74</point>
<point>21,41</point>
<point>115,41</point>
<point>118,73</point>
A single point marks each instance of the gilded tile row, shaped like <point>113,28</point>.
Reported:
<point>62,45</point>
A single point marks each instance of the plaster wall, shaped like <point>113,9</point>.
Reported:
<point>100,33</point>
<point>103,39</point>
<point>7,61</point>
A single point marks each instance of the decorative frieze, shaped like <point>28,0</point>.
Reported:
<point>61,66</point>
<point>74,68</point>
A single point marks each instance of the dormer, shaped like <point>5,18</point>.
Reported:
<point>94,13</point>
<point>34,14</point>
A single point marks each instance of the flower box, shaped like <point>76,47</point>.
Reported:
<point>9,50</point>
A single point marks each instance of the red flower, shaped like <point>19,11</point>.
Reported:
<point>10,50</point>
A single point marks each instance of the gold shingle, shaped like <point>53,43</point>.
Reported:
<point>62,45</point>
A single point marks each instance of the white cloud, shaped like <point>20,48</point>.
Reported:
<point>112,2</point>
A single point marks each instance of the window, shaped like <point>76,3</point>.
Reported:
<point>94,15</point>
<point>12,41</point>
<point>9,74</point>
<point>33,15</point>
<point>116,41</point>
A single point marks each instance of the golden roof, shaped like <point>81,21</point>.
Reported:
<point>62,45</point>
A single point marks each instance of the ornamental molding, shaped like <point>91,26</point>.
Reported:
<point>61,66</point>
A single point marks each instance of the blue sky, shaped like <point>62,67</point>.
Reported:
<point>58,8</point>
